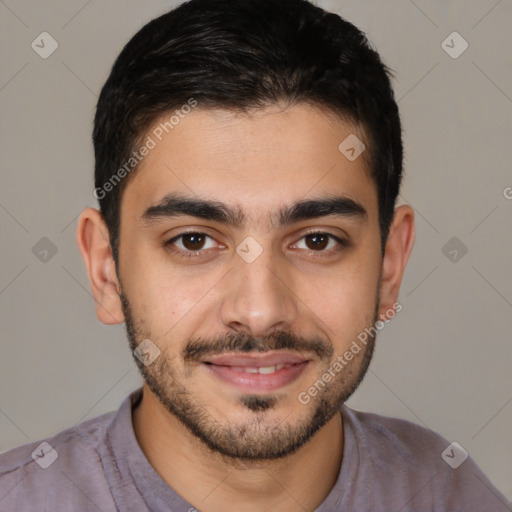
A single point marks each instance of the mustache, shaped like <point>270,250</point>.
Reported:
<point>243,343</point>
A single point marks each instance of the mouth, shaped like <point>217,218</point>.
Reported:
<point>253,373</point>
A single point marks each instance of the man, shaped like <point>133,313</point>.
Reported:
<point>248,161</point>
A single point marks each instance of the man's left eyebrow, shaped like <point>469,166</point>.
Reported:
<point>330,206</point>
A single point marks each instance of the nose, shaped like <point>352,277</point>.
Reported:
<point>258,298</point>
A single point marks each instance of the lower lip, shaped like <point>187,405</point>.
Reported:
<point>258,382</point>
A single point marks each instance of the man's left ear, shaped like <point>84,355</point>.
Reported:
<point>398,249</point>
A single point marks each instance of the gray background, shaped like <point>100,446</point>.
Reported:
<point>444,362</point>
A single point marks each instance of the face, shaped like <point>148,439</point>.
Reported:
<point>250,257</point>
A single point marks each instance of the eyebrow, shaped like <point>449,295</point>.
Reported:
<point>174,205</point>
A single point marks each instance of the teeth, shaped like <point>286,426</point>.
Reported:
<point>267,369</point>
<point>264,370</point>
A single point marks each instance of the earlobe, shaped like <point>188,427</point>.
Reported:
<point>94,243</point>
<point>398,249</point>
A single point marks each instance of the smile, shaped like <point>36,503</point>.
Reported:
<point>262,369</point>
<point>253,373</point>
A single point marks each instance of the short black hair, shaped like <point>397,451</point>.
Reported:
<point>241,55</point>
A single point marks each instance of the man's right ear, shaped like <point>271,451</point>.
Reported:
<point>93,240</point>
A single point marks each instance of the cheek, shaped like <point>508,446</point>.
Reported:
<point>164,299</point>
<point>345,307</point>
<point>346,300</point>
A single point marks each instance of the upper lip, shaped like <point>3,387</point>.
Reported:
<point>256,359</point>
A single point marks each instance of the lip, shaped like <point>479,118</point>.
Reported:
<point>255,359</point>
<point>230,368</point>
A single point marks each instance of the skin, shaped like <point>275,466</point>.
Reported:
<point>258,164</point>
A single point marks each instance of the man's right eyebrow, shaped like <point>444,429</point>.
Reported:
<point>177,205</point>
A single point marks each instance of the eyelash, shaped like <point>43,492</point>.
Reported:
<point>342,244</point>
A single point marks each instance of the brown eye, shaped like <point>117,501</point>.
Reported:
<point>317,241</point>
<point>322,243</point>
<point>192,242</point>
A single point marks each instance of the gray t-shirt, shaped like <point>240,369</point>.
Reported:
<point>389,465</point>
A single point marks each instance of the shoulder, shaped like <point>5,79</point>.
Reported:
<point>39,471</point>
<point>84,436</point>
<point>416,465</point>
<point>395,437</point>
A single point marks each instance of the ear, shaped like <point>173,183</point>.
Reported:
<point>398,248</point>
<point>94,243</point>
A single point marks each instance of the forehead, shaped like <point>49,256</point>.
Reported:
<point>254,162</point>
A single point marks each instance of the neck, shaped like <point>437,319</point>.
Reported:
<point>301,481</point>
